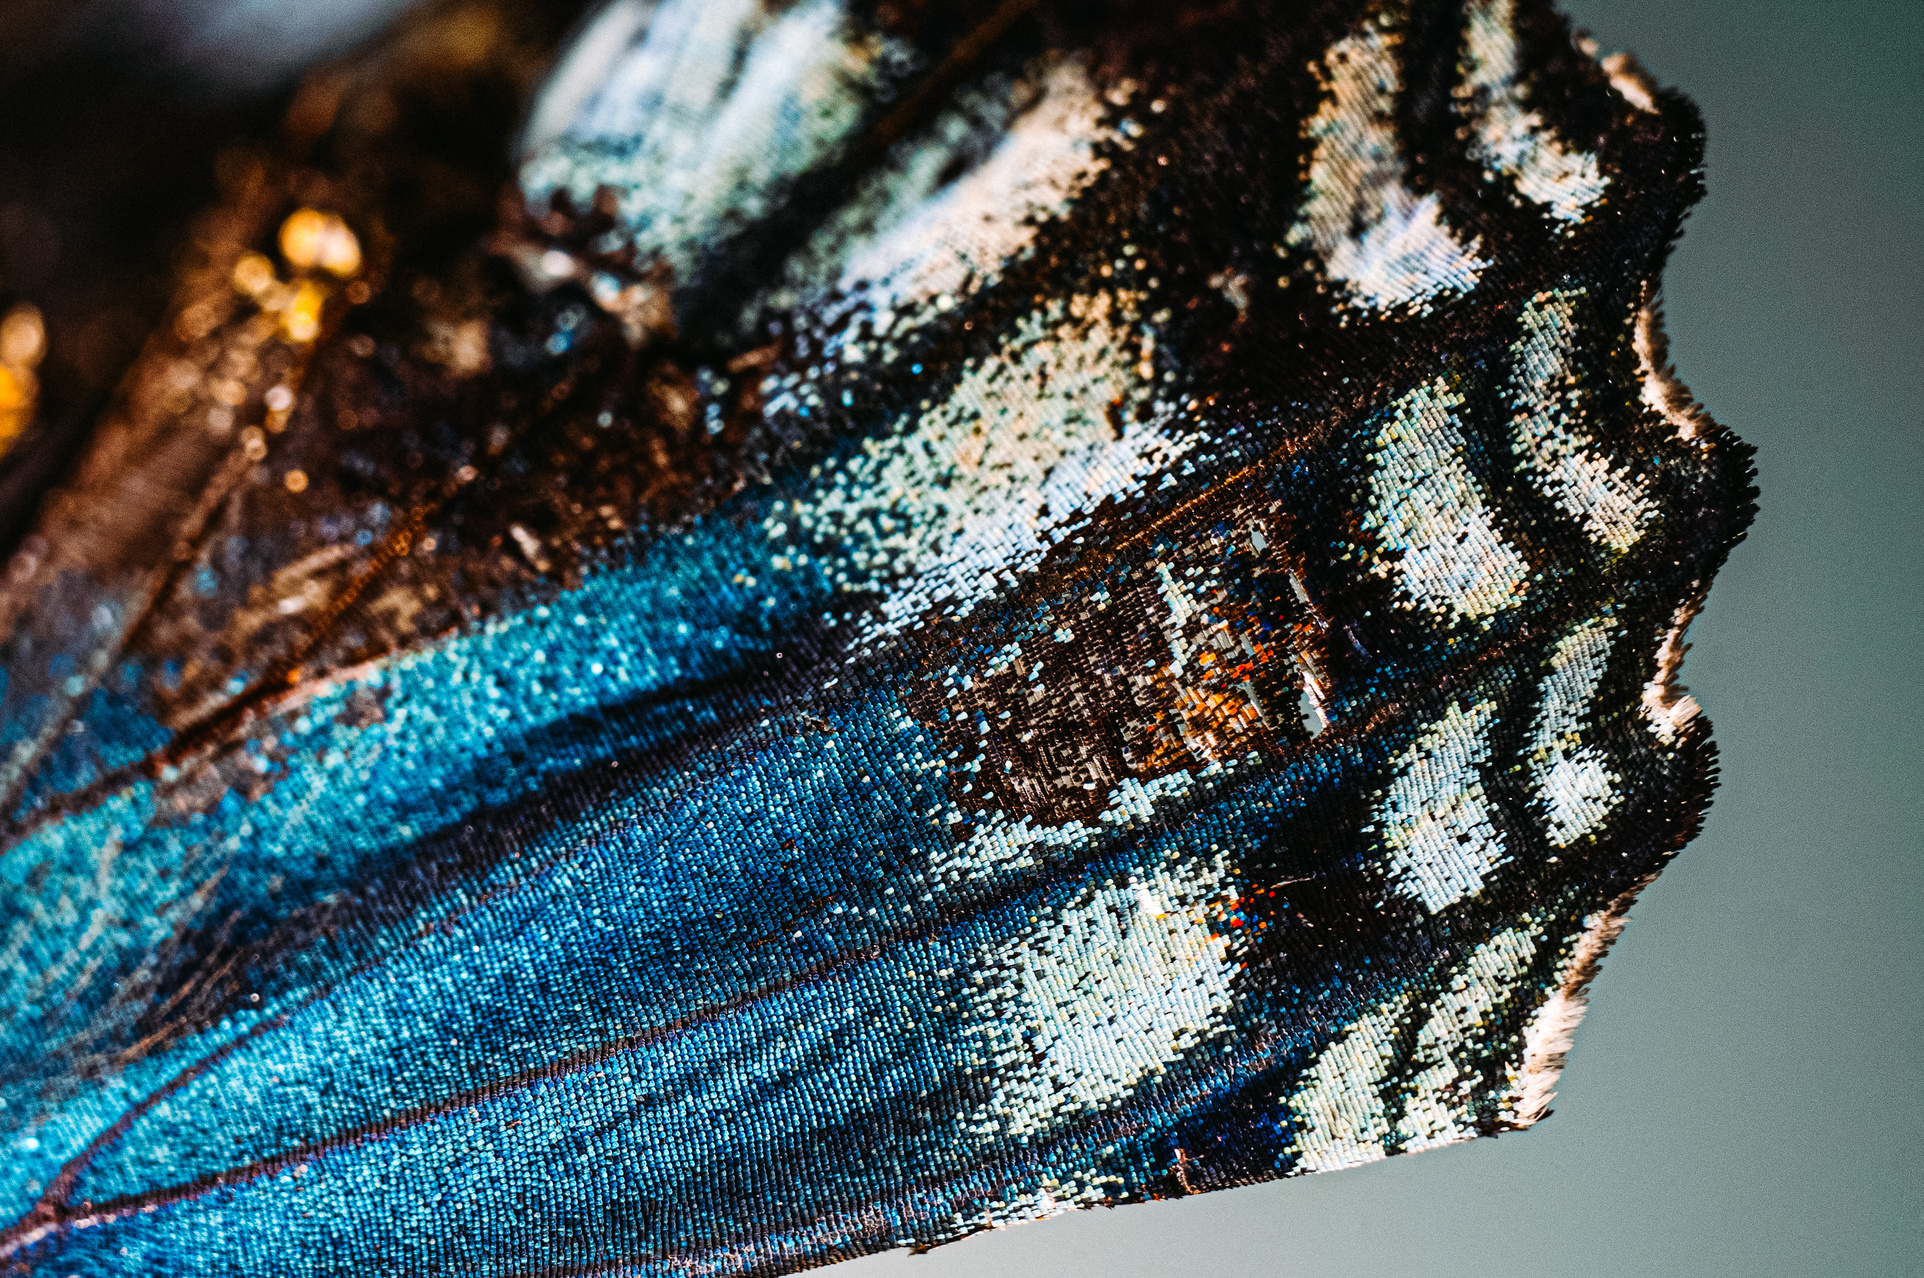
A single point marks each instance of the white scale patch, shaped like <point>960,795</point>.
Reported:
<point>1435,817</point>
<point>1439,1101</point>
<point>971,492</point>
<point>963,233</point>
<point>1612,504</point>
<point>1509,139</point>
<point>1077,1013</point>
<point>718,102</point>
<point>1373,234</point>
<point>1573,781</point>
<point>1427,505</point>
<point>1001,847</point>
<point>1341,1117</point>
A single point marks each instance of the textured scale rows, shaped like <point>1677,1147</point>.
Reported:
<point>951,616</point>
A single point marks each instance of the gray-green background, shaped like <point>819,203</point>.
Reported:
<point>1744,1097</point>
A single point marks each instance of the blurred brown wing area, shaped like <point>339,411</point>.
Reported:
<point>318,457</point>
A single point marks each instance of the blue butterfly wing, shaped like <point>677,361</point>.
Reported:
<point>955,622</point>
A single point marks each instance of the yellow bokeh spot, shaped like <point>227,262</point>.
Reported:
<point>302,318</point>
<point>296,481</point>
<point>23,336</point>
<point>253,274</point>
<point>16,407</point>
<point>313,240</point>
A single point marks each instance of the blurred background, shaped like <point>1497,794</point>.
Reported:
<point>1746,1096</point>
<point>121,120</point>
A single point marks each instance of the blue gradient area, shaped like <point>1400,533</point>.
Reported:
<point>553,868</point>
<point>628,981</point>
<point>110,731</point>
<point>672,1110</point>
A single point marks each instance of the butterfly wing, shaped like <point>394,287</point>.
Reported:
<point>966,615</point>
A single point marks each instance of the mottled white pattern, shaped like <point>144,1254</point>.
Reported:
<point>970,492</point>
<point>705,116</point>
<point>1077,1013</point>
<point>964,232</point>
<point>1058,1194</point>
<point>1001,847</point>
<point>583,69</point>
<point>1547,433</point>
<point>1435,817</point>
<point>1573,780</point>
<point>1339,1113</point>
<point>1389,247</point>
<point>1436,532</point>
<point>1438,1108</point>
<point>1505,136</point>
